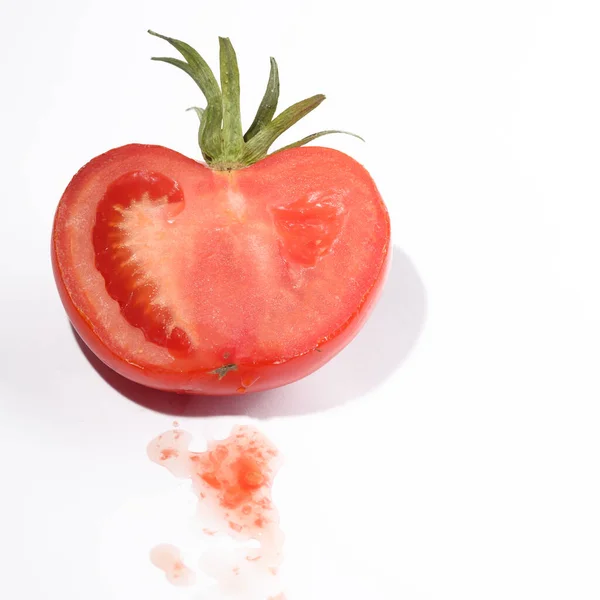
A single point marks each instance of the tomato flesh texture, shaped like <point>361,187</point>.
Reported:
<point>308,227</point>
<point>261,251</point>
<point>229,281</point>
<point>249,269</point>
<point>117,254</point>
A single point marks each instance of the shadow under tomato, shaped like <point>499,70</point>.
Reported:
<point>378,350</point>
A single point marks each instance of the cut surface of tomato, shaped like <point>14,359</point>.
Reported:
<point>202,281</point>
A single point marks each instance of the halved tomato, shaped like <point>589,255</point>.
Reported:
<point>238,276</point>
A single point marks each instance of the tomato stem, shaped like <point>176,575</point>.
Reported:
<point>220,132</point>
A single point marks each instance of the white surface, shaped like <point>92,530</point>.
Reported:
<point>458,464</point>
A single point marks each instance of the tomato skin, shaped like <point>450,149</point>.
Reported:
<point>254,377</point>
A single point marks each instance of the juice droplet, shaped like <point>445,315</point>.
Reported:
<point>168,559</point>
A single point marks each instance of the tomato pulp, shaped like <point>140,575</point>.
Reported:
<point>188,279</point>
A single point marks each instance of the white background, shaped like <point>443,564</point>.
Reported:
<point>451,452</point>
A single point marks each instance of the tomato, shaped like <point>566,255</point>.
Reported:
<point>241,275</point>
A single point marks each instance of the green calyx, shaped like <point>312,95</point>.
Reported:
<point>223,144</point>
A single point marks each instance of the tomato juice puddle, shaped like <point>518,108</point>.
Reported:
<point>232,480</point>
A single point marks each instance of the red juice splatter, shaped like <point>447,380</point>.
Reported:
<point>232,480</point>
<point>233,477</point>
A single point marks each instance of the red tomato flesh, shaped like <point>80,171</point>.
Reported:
<point>201,281</point>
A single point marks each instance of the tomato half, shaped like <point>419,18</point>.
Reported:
<point>194,280</point>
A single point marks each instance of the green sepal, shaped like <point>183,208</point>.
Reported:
<point>201,124</point>
<point>209,136</point>
<point>200,72</point>
<point>268,105</point>
<point>257,148</point>
<point>233,140</point>
<point>314,136</point>
<point>199,111</point>
<point>195,66</point>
